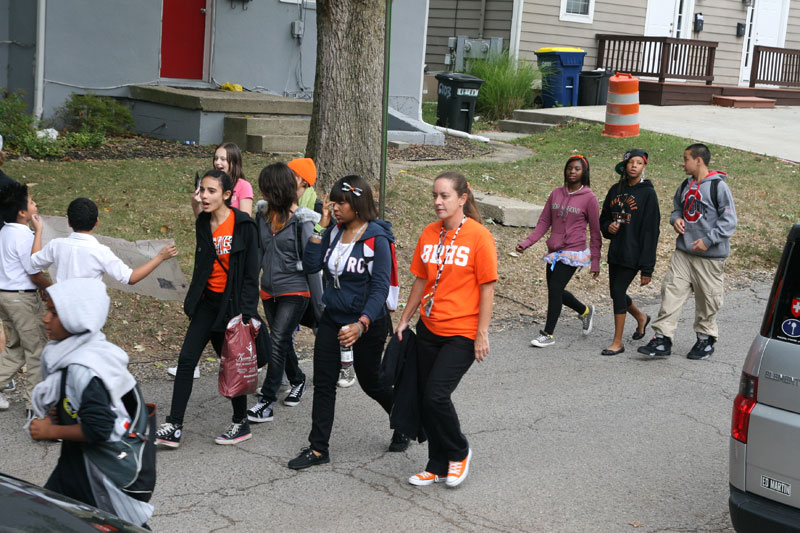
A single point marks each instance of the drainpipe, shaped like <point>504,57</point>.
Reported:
<point>38,96</point>
<point>482,22</point>
<point>516,28</point>
<point>387,42</point>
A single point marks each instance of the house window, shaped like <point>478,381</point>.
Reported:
<point>577,11</point>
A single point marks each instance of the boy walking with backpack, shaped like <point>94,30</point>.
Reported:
<point>704,217</point>
<point>20,305</point>
<point>90,401</point>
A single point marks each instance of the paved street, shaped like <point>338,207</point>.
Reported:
<point>563,440</point>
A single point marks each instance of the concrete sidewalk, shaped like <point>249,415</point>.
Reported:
<point>773,132</point>
<point>564,440</point>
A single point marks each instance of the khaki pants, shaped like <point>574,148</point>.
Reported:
<point>21,313</point>
<point>689,273</point>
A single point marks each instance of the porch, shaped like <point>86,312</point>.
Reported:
<point>681,71</point>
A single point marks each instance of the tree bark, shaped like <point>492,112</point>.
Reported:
<point>345,133</point>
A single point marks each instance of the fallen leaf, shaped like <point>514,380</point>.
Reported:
<point>211,359</point>
<point>164,228</point>
<point>513,254</point>
<point>635,524</point>
<point>158,365</point>
<point>138,347</point>
<point>106,209</point>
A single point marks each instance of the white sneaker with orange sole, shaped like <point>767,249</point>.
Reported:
<point>425,478</point>
<point>458,470</point>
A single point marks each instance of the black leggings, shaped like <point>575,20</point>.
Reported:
<point>619,279</point>
<point>557,295</point>
<point>197,337</point>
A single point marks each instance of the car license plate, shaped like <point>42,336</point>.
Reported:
<point>466,92</point>
<point>776,486</point>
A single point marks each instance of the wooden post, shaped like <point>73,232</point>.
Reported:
<point>712,54</point>
<point>665,53</point>
<point>601,51</point>
<point>754,64</point>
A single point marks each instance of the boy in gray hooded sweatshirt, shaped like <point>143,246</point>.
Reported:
<point>704,218</point>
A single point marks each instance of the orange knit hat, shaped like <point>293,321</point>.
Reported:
<point>305,168</point>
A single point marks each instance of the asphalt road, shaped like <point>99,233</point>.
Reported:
<point>563,440</point>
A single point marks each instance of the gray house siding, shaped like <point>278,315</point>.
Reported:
<point>450,18</point>
<point>20,28</point>
<point>106,46</point>
<point>793,27</point>
<point>721,17</point>
<point>541,26</point>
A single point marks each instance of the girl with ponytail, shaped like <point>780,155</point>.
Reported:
<point>455,264</point>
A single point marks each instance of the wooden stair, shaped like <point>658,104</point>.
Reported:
<point>743,101</point>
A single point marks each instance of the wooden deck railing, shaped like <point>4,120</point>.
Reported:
<point>661,57</point>
<point>775,66</point>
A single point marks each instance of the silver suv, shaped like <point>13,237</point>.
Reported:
<point>765,426</point>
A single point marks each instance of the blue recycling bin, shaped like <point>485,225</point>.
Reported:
<point>561,68</point>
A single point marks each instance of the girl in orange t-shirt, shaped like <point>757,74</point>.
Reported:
<point>224,284</point>
<point>455,263</point>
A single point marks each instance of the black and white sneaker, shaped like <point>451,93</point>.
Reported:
<point>587,319</point>
<point>261,411</point>
<point>169,435</point>
<point>295,394</point>
<point>702,349</point>
<point>658,346</point>
<point>236,433</point>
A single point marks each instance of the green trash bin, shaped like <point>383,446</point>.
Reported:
<point>458,94</point>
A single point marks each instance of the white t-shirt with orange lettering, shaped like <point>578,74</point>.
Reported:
<point>469,263</point>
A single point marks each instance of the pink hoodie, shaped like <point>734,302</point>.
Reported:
<point>566,215</point>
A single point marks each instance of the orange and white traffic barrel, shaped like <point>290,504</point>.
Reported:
<point>622,106</point>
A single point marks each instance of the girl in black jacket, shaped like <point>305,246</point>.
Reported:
<point>630,220</point>
<point>224,284</point>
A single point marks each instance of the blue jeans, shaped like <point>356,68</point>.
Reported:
<point>283,314</point>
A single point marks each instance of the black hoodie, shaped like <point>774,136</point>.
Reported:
<point>634,245</point>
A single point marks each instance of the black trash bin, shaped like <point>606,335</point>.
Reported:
<point>593,87</point>
<point>458,94</point>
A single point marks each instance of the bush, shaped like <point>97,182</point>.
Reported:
<point>84,140</point>
<point>42,147</point>
<point>507,85</point>
<point>89,113</point>
<point>15,121</point>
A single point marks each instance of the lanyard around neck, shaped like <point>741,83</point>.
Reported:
<point>439,255</point>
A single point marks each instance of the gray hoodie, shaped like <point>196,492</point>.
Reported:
<point>703,220</point>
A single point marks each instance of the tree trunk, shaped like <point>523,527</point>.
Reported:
<point>345,132</point>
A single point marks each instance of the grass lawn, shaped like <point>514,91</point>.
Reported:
<point>149,198</point>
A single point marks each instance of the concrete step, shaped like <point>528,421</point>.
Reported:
<point>238,127</point>
<point>535,115</point>
<point>211,101</point>
<point>523,126</point>
<point>279,144</point>
<point>743,101</point>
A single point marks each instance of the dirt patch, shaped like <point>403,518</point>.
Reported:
<point>454,148</point>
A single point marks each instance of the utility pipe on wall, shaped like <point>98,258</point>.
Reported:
<point>38,94</point>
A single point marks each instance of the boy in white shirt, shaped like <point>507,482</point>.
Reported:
<point>21,308</point>
<point>81,256</point>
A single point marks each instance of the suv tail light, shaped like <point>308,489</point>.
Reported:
<point>743,406</point>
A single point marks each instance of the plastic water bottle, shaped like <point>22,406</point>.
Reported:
<point>346,352</point>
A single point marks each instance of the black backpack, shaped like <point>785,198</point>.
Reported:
<point>129,463</point>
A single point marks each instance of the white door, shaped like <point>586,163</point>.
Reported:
<point>765,24</point>
<point>660,18</point>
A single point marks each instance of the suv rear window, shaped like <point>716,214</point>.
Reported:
<point>782,318</point>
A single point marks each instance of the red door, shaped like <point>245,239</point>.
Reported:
<point>183,33</point>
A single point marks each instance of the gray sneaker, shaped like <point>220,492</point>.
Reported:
<point>543,340</point>
<point>587,320</point>
<point>11,386</point>
<point>347,376</point>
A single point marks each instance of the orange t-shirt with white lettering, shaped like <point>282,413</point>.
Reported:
<point>222,243</point>
<point>468,264</point>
